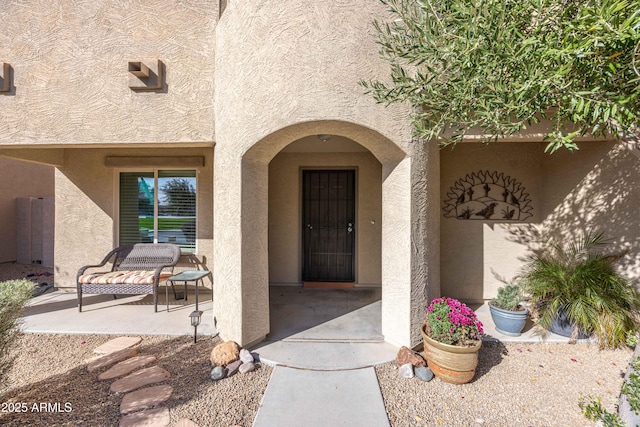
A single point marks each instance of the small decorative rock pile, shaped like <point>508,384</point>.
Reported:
<point>412,364</point>
<point>228,358</point>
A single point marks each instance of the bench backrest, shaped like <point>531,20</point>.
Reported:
<point>146,256</point>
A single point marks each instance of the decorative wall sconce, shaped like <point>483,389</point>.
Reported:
<point>5,77</point>
<point>147,75</point>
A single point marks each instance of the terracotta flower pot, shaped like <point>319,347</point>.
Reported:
<point>451,363</point>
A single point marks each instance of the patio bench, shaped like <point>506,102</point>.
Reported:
<point>136,270</point>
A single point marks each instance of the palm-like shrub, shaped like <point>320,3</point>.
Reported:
<point>14,294</point>
<point>582,281</point>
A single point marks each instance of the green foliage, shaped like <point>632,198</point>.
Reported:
<point>632,339</point>
<point>180,197</point>
<point>503,65</point>
<point>582,280</point>
<point>14,294</point>
<point>631,387</point>
<point>594,411</point>
<point>509,297</point>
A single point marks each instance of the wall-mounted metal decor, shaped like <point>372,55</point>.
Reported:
<point>486,195</point>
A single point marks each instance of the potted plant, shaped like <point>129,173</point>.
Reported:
<point>452,337</point>
<point>576,291</point>
<point>507,311</point>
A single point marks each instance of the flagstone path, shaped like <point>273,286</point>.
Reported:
<point>140,405</point>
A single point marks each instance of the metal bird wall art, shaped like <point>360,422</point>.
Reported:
<point>486,195</point>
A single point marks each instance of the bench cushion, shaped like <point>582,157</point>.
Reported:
<point>116,277</point>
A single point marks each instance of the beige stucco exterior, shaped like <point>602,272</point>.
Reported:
<point>87,205</point>
<point>248,92</point>
<point>69,65</point>
<point>594,188</point>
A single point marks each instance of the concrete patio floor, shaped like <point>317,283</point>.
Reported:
<point>56,312</point>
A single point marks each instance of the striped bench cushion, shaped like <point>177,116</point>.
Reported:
<point>116,277</point>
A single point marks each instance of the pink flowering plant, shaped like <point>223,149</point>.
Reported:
<point>451,322</point>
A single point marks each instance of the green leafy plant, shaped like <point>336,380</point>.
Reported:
<point>503,65</point>
<point>509,297</point>
<point>14,294</point>
<point>594,411</point>
<point>582,281</point>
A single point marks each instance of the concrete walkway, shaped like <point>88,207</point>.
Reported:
<point>296,397</point>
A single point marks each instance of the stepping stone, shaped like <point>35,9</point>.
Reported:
<point>184,422</point>
<point>110,359</point>
<point>152,375</point>
<point>126,367</point>
<point>117,344</point>
<point>145,398</point>
<point>158,417</point>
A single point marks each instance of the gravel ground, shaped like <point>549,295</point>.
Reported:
<point>515,384</point>
<point>51,369</point>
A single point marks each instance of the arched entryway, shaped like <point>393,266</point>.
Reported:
<point>241,230</point>
<point>325,218</point>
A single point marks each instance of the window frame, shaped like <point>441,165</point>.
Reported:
<point>154,170</point>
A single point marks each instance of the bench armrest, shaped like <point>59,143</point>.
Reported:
<point>104,262</point>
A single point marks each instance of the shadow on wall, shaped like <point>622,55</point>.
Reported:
<point>594,189</point>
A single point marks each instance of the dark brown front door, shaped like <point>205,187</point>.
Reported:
<point>328,212</point>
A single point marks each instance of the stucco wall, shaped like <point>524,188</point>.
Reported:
<point>310,56</point>
<point>595,188</point>
<point>19,179</point>
<point>86,217</point>
<point>285,213</point>
<point>70,71</point>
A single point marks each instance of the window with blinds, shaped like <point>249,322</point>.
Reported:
<point>158,207</point>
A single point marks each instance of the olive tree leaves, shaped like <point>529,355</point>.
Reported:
<point>504,65</point>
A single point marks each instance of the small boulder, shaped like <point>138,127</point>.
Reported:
<point>406,371</point>
<point>406,355</point>
<point>217,373</point>
<point>232,368</point>
<point>247,367</point>
<point>224,353</point>
<point>246,356</point>
<point>423,373</point>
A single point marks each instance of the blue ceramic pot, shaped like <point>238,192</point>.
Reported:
<point>508,322</point>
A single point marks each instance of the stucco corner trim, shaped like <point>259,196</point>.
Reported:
<point>154,161</point>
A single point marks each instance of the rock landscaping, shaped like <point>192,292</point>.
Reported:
<point>412,364</point>
<point>143,393</point>
<point>228,359</point>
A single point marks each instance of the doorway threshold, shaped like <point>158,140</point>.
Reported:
<point>329,285</point>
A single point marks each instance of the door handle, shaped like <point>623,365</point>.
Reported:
<point>310,227</point>
<point>349,228</point>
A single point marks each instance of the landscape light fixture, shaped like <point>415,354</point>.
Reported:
<point>195,321</point>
